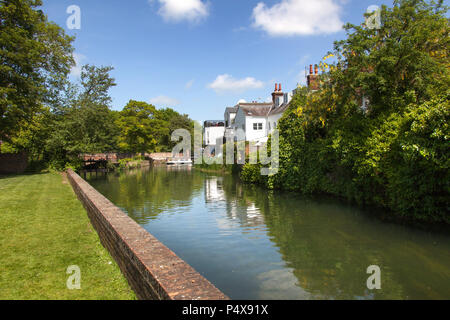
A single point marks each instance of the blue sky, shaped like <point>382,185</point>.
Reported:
<point>199,57</point>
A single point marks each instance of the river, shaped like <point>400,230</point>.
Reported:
<point>257,244</point>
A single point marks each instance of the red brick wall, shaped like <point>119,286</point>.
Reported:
<point>13,162</point>
<point>152,270</point>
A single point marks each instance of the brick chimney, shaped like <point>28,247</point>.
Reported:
<point>277,94</point>
<point>313,79</point>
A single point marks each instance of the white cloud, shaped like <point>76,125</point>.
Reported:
<point>76,70</point>
<point>226,83</point>
<point>189,84</point>
<point>177,10</point>
<point>299,17</point>
<point>164,101</point>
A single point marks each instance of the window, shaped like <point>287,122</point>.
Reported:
<point>257,126</point>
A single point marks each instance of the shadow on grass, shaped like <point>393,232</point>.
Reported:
<point>33,168</point>
<point>14,175</point>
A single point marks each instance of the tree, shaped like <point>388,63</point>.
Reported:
<point>394,153</point>
<point>173,120</point>
<point>140,127</point>
<point>84,123</point>
<point>405,60</point>
<point>36,57</point>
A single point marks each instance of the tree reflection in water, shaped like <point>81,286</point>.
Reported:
<point>254,244</point>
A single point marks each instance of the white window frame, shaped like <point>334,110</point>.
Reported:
<point>257,126</point>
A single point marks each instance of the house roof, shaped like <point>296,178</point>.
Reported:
<point>279,109</point>
<point>231,109</point>
<point>256,111</point>
<point>254,104</point>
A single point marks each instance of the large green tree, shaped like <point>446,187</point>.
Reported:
<point>143,128</point>
<point>174,121</point>
<point>36,57</point>
<point>84,123</point>
<point>140,127</point>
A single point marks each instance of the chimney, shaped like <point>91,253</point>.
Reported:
<point>277,94</point>
<point>313,79</point>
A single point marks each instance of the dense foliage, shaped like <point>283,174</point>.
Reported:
<point>393,150</point>
<point>36,57</point>
<point>143,128</point>
<point>55,120</point>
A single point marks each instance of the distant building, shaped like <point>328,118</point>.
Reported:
<point>229,116</point>
<point>213,130</point>
<point>258,120</point>
<point>255,121</point>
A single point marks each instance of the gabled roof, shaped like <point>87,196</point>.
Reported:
<point>261,109</point>
<point>279,109</point>
<point>255,109</point>
<point>231,109</point>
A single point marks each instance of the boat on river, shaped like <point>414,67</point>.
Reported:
<point>179,162</point>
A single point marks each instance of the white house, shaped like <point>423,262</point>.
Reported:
<point>212,131</point>
<point>258,120</point>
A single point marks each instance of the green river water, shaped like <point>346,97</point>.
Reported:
<point>257,244</point>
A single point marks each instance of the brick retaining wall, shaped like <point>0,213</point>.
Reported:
<point>13,162</point>
<point>152,270</point>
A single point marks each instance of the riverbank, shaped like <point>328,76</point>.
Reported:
<point>44,229</point>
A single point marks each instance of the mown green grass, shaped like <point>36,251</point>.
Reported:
<point>43,230</point>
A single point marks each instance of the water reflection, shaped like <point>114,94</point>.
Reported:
<point>255,244</point>
<point>219,195</point>
<point>214,189</point>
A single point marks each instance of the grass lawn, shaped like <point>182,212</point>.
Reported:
<point>43,230</point>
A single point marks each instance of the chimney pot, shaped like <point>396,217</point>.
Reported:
<point>279,87</point>
<point>276,87</point>
<point>316,69</point>
<point>310,69</point>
